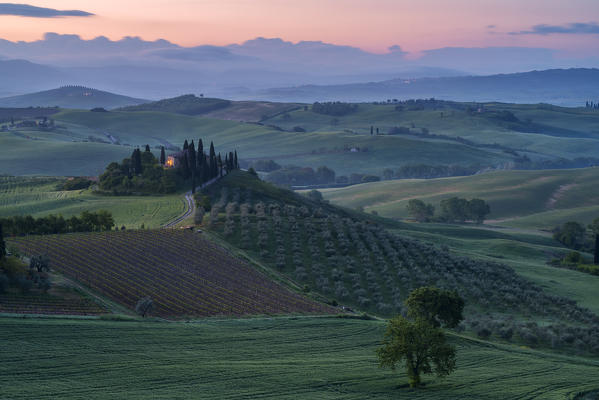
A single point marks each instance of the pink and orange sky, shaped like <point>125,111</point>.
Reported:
<point>372,25</point>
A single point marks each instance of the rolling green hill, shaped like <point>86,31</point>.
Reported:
<point>70,97</point>
<point>524,199</point>
<point>283,358</point>
<point>67,150</point>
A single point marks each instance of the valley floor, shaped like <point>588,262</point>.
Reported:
<point>277,358</point>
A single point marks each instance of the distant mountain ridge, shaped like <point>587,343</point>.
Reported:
<point>71,97</point>
<point>568,87</point>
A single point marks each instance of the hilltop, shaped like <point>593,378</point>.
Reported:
<point>189,104</point>
<point>79,97</point>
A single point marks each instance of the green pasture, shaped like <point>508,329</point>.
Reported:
<point>277,358</point>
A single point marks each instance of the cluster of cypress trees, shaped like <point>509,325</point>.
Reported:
<point>202,167</point>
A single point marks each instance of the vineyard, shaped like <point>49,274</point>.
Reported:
<point>184,274</point>
<point>356,262</point>
<point>60,301</point>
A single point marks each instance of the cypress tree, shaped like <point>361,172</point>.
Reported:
<point>205,169</point>
<point>185,166</point>
<point>2,244</point>
<point>219,163</point>
<point>185,145</point>
<point>200,153</point>
<point>162,155</point>
<point>596,253</point>
<point>192,157</point>
<point>235,162</point>
<point>148,148</point>
<point>136,162</point>
<point>213,165</point>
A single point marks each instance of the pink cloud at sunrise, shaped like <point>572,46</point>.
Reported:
<point>372,25</point>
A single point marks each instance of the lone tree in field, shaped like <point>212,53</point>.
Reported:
<point>421,346</point>
<point>420,343</point>
<point>436,306</point>
<point>144,306</point>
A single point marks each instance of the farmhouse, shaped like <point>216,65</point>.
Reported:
<point>173,160</point>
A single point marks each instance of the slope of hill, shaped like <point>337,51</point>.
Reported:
<point>183,273</point>
<point>349,258</point>
<point>70,97</point>
<point>282,358</point>
<point>570,87</point>
<point>543,199</point>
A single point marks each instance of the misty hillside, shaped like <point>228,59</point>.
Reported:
<point>570,87</point>
<point>70,97</point>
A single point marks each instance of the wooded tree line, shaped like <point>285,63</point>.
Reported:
<point>201,167</point>
<point>335,108</point>
<point>454,209</point>
<point>86,222</point>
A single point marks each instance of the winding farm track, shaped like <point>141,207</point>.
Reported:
<point>190,204</point>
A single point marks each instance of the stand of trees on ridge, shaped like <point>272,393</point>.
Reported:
<point>452,210</point>
<point>578,238</point>
<point>144,173</point>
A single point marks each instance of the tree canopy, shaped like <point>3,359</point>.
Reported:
<point>437,307</point>
<point>420,346</point>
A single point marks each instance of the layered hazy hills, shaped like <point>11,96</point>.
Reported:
<point>70,97</point>
<point>571,87</point>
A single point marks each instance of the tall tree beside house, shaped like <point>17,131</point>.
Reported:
<point>162,155</point>
<point>185,145</point>
<point>192,165</point>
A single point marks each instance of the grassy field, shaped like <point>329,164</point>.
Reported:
<point>523,199</point>
<point>280,358</point>
<point>39,196</point>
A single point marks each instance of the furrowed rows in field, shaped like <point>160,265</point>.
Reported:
<point>47,304</point>
<point>183,273</point>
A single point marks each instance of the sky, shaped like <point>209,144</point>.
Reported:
<point>569,26</point>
